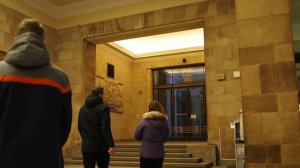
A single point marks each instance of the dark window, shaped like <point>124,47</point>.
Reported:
<point>110,71</point>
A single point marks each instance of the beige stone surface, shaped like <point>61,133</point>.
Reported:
<point>206,152</point>
<point>215,110</point>
<point>255,165</point>
<point>212,9</point>
<point>273,154</point>
<point>255,9</point>
<point>290,130</point>
<point>279,6</point>
<point>247,33</point>
<point>3,15</point>
<point>122,68</point>
<point>221,53</point>
<point>129,22</point>
<point>284,52</point>
<point>271,122</point>
<point>228,30</point>
<point>256,153</point>
<point>289,154</point>
<point>278,77</point>
<point>263,29</point>
<point>288,102</point>
<point>238,36</point>
<point>253,128</point>
<point>232,109</point>
<point>256,55</point>
<point>282,33</point>
<point>225,19</point>
<point>260,103</point>
<point>250,80</point>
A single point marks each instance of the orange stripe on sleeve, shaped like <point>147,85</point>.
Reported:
<point>35,81</point>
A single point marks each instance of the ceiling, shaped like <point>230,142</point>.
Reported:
<point>67,13</point>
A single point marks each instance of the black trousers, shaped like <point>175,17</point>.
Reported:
<point>91,158</point>
<point>151,162</point>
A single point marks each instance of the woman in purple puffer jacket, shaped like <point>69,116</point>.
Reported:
<point>153,131</point>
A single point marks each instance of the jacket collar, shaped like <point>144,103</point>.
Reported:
<point>154,114</point>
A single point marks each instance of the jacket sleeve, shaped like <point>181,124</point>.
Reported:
<point>79,121</point>
<point>66,117</point>
<point>105,126</point>
<point>167,131</point>
<point>138,135</point>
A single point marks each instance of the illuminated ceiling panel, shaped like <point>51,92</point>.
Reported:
<point>163,44</point>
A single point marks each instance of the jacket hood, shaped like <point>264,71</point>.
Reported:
<point>154,114</point>
<point>28,50</point>
<point>92,101</point>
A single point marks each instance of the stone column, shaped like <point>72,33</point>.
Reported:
<point>268,80</point>
<point>221,59</point>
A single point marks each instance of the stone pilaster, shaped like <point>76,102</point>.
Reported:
<point>221,59</point>
<point>270,104</point>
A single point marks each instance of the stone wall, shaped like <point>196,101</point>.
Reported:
<point>123,79</point>
<point>223,97</point>
<point>72,57</point>
<point>136,80</point>
<point>269,94</point>
<point>205,151</point>
<point>251,37</point>
<point>9,21</point>
<point>141,75</point>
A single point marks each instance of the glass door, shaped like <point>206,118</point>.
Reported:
<point>181,92</point>
<point>197,113</point>
<point>164,96</point>
<point>188,115</point>
<point>180,127</point>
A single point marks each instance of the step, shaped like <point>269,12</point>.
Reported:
<point>137,154</point>
<point>165,164</point>
<point>167,150</point>
<point>167,159</point>
<point>136,145</point>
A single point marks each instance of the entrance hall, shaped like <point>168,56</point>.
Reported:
<point>249,61</point>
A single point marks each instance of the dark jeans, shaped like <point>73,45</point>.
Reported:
<point>151,162</point>
<point>90,159</point>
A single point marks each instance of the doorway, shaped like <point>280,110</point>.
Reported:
<point>182,92</point>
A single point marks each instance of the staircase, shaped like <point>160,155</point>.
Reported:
<point>127,155</point>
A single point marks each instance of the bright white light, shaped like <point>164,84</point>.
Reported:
<point>164,42</point>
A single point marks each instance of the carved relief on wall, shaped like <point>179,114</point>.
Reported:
<point>113,96</point>
<point>2,55</point>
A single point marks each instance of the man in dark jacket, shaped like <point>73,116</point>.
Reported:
<point>35,103</point>
<point>95,131</point>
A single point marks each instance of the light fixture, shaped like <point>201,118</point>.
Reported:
<point>182,41</point>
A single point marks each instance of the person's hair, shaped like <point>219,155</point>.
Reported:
<point>30,25</point>
<point>97,91</point>
<point>156,106</point>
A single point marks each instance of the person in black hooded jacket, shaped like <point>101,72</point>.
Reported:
<point>94,128</point>
<point>35,103</point>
